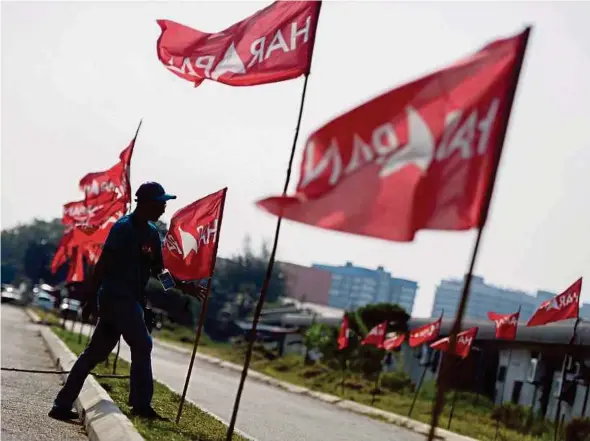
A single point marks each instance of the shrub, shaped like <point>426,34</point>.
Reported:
<point>578,429</point>
<point>396,381</point>
<point>511,415</point>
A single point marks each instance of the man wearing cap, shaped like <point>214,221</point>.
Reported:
<point>131,253</point>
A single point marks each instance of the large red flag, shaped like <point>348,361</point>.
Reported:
<point>191,242</point>
<point>376,336</point>
<point>343,334</point>
<point>562,307</point>
<point>506,324</point>
<point>464,342</point>
<point>273,45</point>
<point>425,333</point>
<point>418,157</point>
<point>93,212</point>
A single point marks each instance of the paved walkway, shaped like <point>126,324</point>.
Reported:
<point>26,398</point>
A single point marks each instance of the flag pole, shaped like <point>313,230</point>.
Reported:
<point>446,371</point>
<point>203,313</point>
<point>271,260</point>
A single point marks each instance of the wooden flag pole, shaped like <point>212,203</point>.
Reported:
<point>203,313</point>
<point>271,261</point>
<point>447,370</point>
<point>417,390</point>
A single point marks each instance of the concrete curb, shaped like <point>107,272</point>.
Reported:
<point>399,420</point>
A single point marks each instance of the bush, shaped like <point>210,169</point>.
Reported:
<point>511,415</point>
<point>578,429</point>
<point>396,381</point>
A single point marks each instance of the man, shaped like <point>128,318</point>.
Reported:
<point>131,253</point>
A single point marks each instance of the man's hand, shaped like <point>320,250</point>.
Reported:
<point>193,289</point>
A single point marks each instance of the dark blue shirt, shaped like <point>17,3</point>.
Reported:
<point>136,251</point>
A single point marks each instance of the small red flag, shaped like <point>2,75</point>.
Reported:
<point>418,157</point>
<point>394,342</point>
<point>76,271</point>
<point>344,334</point>
<point>425,333</point>
<point>273,45</point>
<point>190,245</point>
<point>93,212</point>
<point>103,186</point>
<point>506,324</point>
<point>376,336</point>
<point>464,343</point>
<point>561,307</point>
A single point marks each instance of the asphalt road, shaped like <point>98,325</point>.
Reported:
<point>267,413</point>
<point>26,398</point>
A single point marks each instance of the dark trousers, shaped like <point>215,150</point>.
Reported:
<point>115,321</point>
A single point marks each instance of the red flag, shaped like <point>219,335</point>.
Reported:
<point>273,45</point>
<point>61,254</point>
<point>91,252</point>
<point>418,157</point>
<point>76,271</point>
<point>191,242</point>
<point>506,324</point>
<point>425,333</point>
<point>464,343</point>
<point>394,342</point>
<point>562,307</point>
<point>99,187</point>
<point>344,334</point>
<point>376,336</point>
<point>93,212</point>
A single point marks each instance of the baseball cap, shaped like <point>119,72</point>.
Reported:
<point>152,191</point>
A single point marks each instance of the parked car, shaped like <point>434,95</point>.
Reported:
<point>69,308</point>
<point>10,295</point>
<point>44,300</point>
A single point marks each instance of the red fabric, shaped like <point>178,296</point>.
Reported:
<point>76,271</point>
<point>464,343</point>
<point>273,45</point>
<point>418,157</point>
<point>506,324</point>
<point>111,184</point>
<point>91,252</point>
<point>94,212</point>
<point>562,307</point>
<point>343,334</point>
<point>394,342</point>
<point>189,251</point>
<point>376,336</point>
<point>425,333</point>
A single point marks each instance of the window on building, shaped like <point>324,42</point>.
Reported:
<point>502,374</point>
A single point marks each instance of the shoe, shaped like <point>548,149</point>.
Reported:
<point>148,413</point>
<point>63,414</point>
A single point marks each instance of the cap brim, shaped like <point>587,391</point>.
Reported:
<point>165,197</point>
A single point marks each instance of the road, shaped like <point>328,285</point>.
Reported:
<point>266,413</point>
<point>27,397</point>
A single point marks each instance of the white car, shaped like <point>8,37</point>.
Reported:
<point>44,301</point>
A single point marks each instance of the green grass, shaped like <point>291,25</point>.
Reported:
<point>195,425</point>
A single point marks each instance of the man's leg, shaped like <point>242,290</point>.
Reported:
<point>102,343</point>
<point>139,340</point>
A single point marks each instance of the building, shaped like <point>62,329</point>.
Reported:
<point>485,297</point>
<point>306,284</point>
<point>352,287</point>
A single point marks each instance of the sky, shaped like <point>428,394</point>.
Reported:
<point>77,77</point>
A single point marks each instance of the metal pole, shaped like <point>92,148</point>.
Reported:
<point>558,412</point>
<point>503,391</point>
<point>452,409</point>
<point>418,390</point>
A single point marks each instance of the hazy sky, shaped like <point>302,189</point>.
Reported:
<point>77,77</point>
